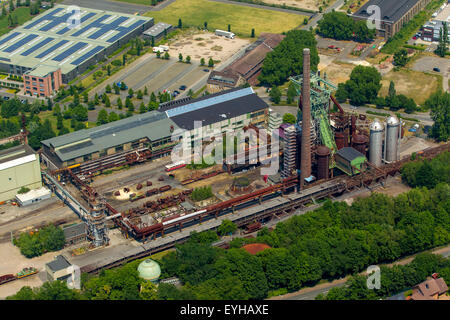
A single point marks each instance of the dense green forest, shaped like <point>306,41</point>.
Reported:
<point>395,279</point>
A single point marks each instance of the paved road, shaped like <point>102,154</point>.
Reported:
<point>258,6</point>
<point>312,293</point>
<point>426,64</point>
<point>424,118</point>
<point>313,22</point>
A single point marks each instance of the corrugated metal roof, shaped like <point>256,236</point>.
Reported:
<point>391,10</point>
<point>349,153</point>
<point>153,125</point>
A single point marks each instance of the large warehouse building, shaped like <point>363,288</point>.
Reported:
<point>227,110</point>
<point>394,14</point>
<point>19,167</point>
<point>50,42</point>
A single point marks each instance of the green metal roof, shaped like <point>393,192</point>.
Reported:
<point>153,125</point>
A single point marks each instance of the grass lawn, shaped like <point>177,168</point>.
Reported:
<point>23,15</point>
<point>219,15</point>
<point>413,84</point>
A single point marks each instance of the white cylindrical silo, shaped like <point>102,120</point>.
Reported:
<point>392,134</point>
<point>376,143</point>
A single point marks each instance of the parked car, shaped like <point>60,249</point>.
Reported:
<point>183,87</point>
<point>206,70</point>
<point>5,98</point>
<point>415,38</point>
<point>436,69</point>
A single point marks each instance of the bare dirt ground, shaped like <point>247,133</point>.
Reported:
<point>303,4</point>
<point>394,188</point>
<point>337,71</point>
<point>200,44</point>
<point>414,144</point>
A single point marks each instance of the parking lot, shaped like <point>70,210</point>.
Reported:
<point>427,64</point>
<point>157,75</point>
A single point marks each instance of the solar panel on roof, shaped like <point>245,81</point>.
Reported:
<point>125,30</point>
<point>37,46</point>
<point>87,55</point>
<point>51,49</point>
<point>208,102</point>
<point>20,43</point>
<point>68,52</point>
<point>107,27</point>
<point>46,17</point>
<point>94,24</point>
<point>11,36</point>
<point>56,21</point>
<point>83,19</point>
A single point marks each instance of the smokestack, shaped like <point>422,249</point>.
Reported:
<point>305,163</point>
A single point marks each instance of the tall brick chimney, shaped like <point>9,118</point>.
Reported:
<point>305,162</point>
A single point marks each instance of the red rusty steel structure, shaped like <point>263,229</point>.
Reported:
<point>372,174</point>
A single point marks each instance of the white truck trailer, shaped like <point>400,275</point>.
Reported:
<point>226,34</point>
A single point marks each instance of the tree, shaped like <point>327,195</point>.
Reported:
<point>180,24</point>
<point>226,227</point>
<point>287,58</point>
<point>142,108</point>
<point>362,32</point>
<point>180,57</point>
<point>108,68</point>
<point>188,59</point>
<point>364,85</point>
<point>202,61</point>
<point>149,291</point>
<point>210,63</point>
<point>166,56</point>
<point>124,59</point>
<point>113,116</point>
<point>401,58</point>
<point>102,117</point>
<point>205,24</point>
<point>291,93</point>
<point>190,93</point>
<point>439,103</point>
<point>336,25</point>
<point>443,40</point>
<point>229,28</point>
<point>341,93</point>
<point>275,95</point>
<point>119,103</point>
<point>289,118</point>
<point>253,33</point>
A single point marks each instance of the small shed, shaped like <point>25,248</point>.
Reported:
<point>58,269</point>
<point>350,161</point>
<point>33,196</point>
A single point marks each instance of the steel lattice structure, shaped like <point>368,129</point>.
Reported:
<point>321,90</point>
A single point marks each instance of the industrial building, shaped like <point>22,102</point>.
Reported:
<point>223,80</point>
<point>249,66</point>
<point>431,29</point>
<point>49,42</point>
<point>33,196</point>
<point>75,233</point>
<point>150,130</point>
<point>19,167</point>
<point>394,14</point>
<point>58,269</point>
<point>228,110</point>
<point>157,31</point>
